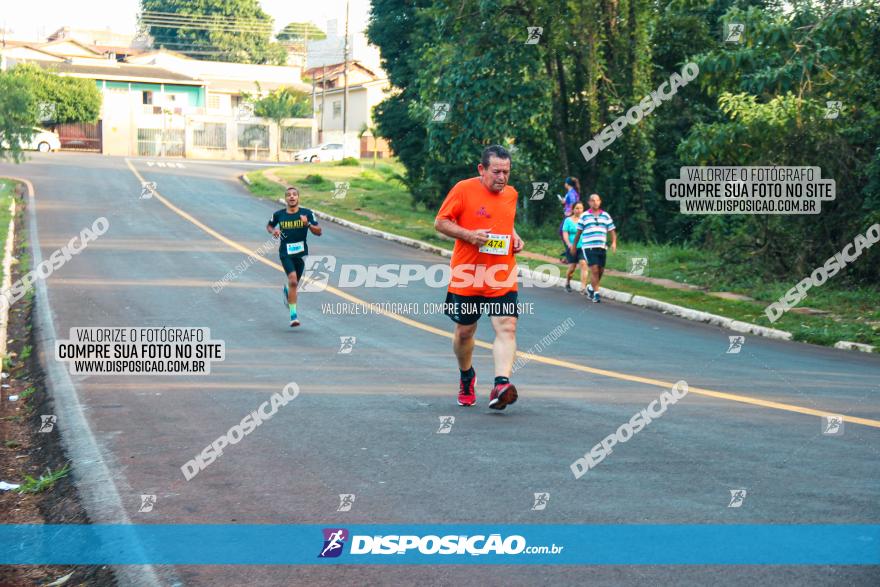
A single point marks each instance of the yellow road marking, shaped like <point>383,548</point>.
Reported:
<point>540,359</point>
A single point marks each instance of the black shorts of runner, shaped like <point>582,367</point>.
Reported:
<point>467,310</point>
<point>293,264</point>
<point>595,256</point>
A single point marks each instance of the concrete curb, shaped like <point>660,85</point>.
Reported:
<point>854,346</point>
<point>96,485</point>
<point>552,281</point>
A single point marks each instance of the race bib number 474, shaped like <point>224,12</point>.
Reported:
<point>498,244</point>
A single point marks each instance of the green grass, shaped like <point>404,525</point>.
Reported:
<point>26,352</point>
<point>7,191</point>
<point>11,444</point>
<point>854,312</point>
<point>373,199</point>
<point>377,200</point>
<point>45,481</point>
<point>27,392</point>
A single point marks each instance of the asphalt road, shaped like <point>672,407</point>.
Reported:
<point>365,422</point>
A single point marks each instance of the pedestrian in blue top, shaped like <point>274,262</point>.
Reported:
<point>572,197</point>
<point>574,256</point>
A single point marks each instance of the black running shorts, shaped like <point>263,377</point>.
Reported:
<point>577,257</point>
<point>467,310</point>
<point>595,256</point>
<point>293,264</point>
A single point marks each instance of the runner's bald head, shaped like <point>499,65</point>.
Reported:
<point>494,168</point>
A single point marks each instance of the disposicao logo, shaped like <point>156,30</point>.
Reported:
<point>334,540</point>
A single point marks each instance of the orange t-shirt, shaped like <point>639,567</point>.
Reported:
<point>490,270</point>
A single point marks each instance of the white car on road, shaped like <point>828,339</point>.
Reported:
<point>325,152</point>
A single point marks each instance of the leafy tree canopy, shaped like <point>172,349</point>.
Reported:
<point>216,30</point>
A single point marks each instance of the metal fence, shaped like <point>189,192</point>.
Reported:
<point>210,135</point>
<point>156,142</point>
<point>294,138</point>
<point>79,136</point>
<point>251,135</point>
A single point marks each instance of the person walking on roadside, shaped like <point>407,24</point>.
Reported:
<point>569,230</point>
<point>572,197</point>
<point>594,226</point>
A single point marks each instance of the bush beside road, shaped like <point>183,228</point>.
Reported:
<point>374,198</point>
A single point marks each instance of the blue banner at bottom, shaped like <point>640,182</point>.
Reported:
<point>370,544</point>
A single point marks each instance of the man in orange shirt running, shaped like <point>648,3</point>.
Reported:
<point>479,213</point>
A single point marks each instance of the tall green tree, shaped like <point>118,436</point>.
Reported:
<point>772,92</point>
<point>57,98</point>
<point>544,99</point>
<point>18,115</point>
<point>398,27</point>
<point>760,102</point>
<point>280,105</point>
<point>300,33</point>
<point>222,30</point>
<point>31,95</point>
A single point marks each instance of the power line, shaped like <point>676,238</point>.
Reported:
<point>190,47</point>
<point>223,23</point>
<point>198,16</point>
<point>198,44</point>
<point>207,20</point>
<point>216,22</point>
<point>206,27</point>
<point>231,24</point>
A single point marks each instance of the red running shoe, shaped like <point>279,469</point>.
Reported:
<point>466,394</point>
<point>503,394</point>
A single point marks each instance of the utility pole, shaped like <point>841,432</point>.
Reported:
<point>313,96</point>
<point>305,64</point>
<point>323,102</point>
<point>345,92</point>
<point>5,32</point>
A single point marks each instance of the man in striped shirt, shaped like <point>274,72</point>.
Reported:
<point>595,225</point>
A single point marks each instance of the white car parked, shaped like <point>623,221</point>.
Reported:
<point>42,140</point>
<point>325,152</point>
